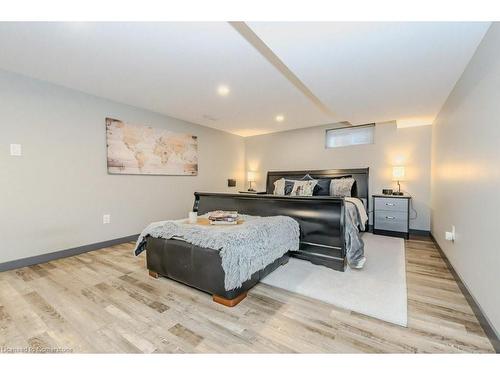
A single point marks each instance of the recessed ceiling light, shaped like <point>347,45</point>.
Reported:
<point>280,118</point>
<point>223,90</point>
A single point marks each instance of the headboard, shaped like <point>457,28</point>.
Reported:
<point>359,174</point>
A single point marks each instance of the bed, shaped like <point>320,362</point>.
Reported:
<point>322,229</point>
<point>321,218</point>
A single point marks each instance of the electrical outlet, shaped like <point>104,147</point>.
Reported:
<point>450,236</point>
<point>106,218</point>
<point>15,149</point>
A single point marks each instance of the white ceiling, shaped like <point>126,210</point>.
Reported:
<point>363,72</point>
<point>376,71</point>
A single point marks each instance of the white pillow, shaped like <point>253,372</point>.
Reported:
<point>304,188</point>
<point>341,186</point>
<point>279,187</point>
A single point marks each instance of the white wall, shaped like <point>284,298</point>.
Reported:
<point>53,197</point>
<point>466,175</point>
<point>305,149</point>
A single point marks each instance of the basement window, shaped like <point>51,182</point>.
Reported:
<point>350,136</point>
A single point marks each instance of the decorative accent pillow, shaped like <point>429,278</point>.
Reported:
<point>304,188</point>
<point>289,186</point>
<point>286,187</point>
<point>279,187</point>
<point>322,187</point>
<point>341,187</point>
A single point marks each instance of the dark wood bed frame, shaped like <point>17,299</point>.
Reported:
<point>321,220</point>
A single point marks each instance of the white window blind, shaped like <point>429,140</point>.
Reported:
<point>350,136</point>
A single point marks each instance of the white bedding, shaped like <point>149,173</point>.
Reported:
<point>360,205</point>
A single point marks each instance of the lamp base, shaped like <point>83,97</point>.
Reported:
<point>252,190</point>
<point>397,193</point>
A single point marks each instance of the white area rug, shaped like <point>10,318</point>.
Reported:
<point>377,290</point>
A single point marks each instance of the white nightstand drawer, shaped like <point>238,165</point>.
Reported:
<point>391,220</point>
<point>391,204</point>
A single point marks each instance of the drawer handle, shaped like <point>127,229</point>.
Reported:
<point>390,217</point>
<point>389,204</point>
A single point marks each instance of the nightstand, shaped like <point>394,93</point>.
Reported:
<point>391,215</point>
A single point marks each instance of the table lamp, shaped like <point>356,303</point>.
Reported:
<point>250,179</point>
<point>398,174</point>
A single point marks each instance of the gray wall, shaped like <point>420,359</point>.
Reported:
<point>305,149</point>
<point>466,175</point>
<point>53,197</point>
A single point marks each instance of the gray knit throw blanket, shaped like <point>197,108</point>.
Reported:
<point>244,248</point>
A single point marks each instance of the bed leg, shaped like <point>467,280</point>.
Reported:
<point>154,274</point>
<point>229,302</point>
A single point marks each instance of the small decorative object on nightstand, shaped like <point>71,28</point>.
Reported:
<point>391,215</point>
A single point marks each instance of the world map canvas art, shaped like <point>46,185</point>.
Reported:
<point>136,149</point>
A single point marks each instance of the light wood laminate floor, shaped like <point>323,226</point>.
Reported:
<point>104,301</point>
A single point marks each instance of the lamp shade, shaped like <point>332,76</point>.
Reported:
<point>398,173</point>
<point>250,176</point>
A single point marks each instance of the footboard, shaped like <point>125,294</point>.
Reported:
<point>200,268</point>
<point>321,220</point>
